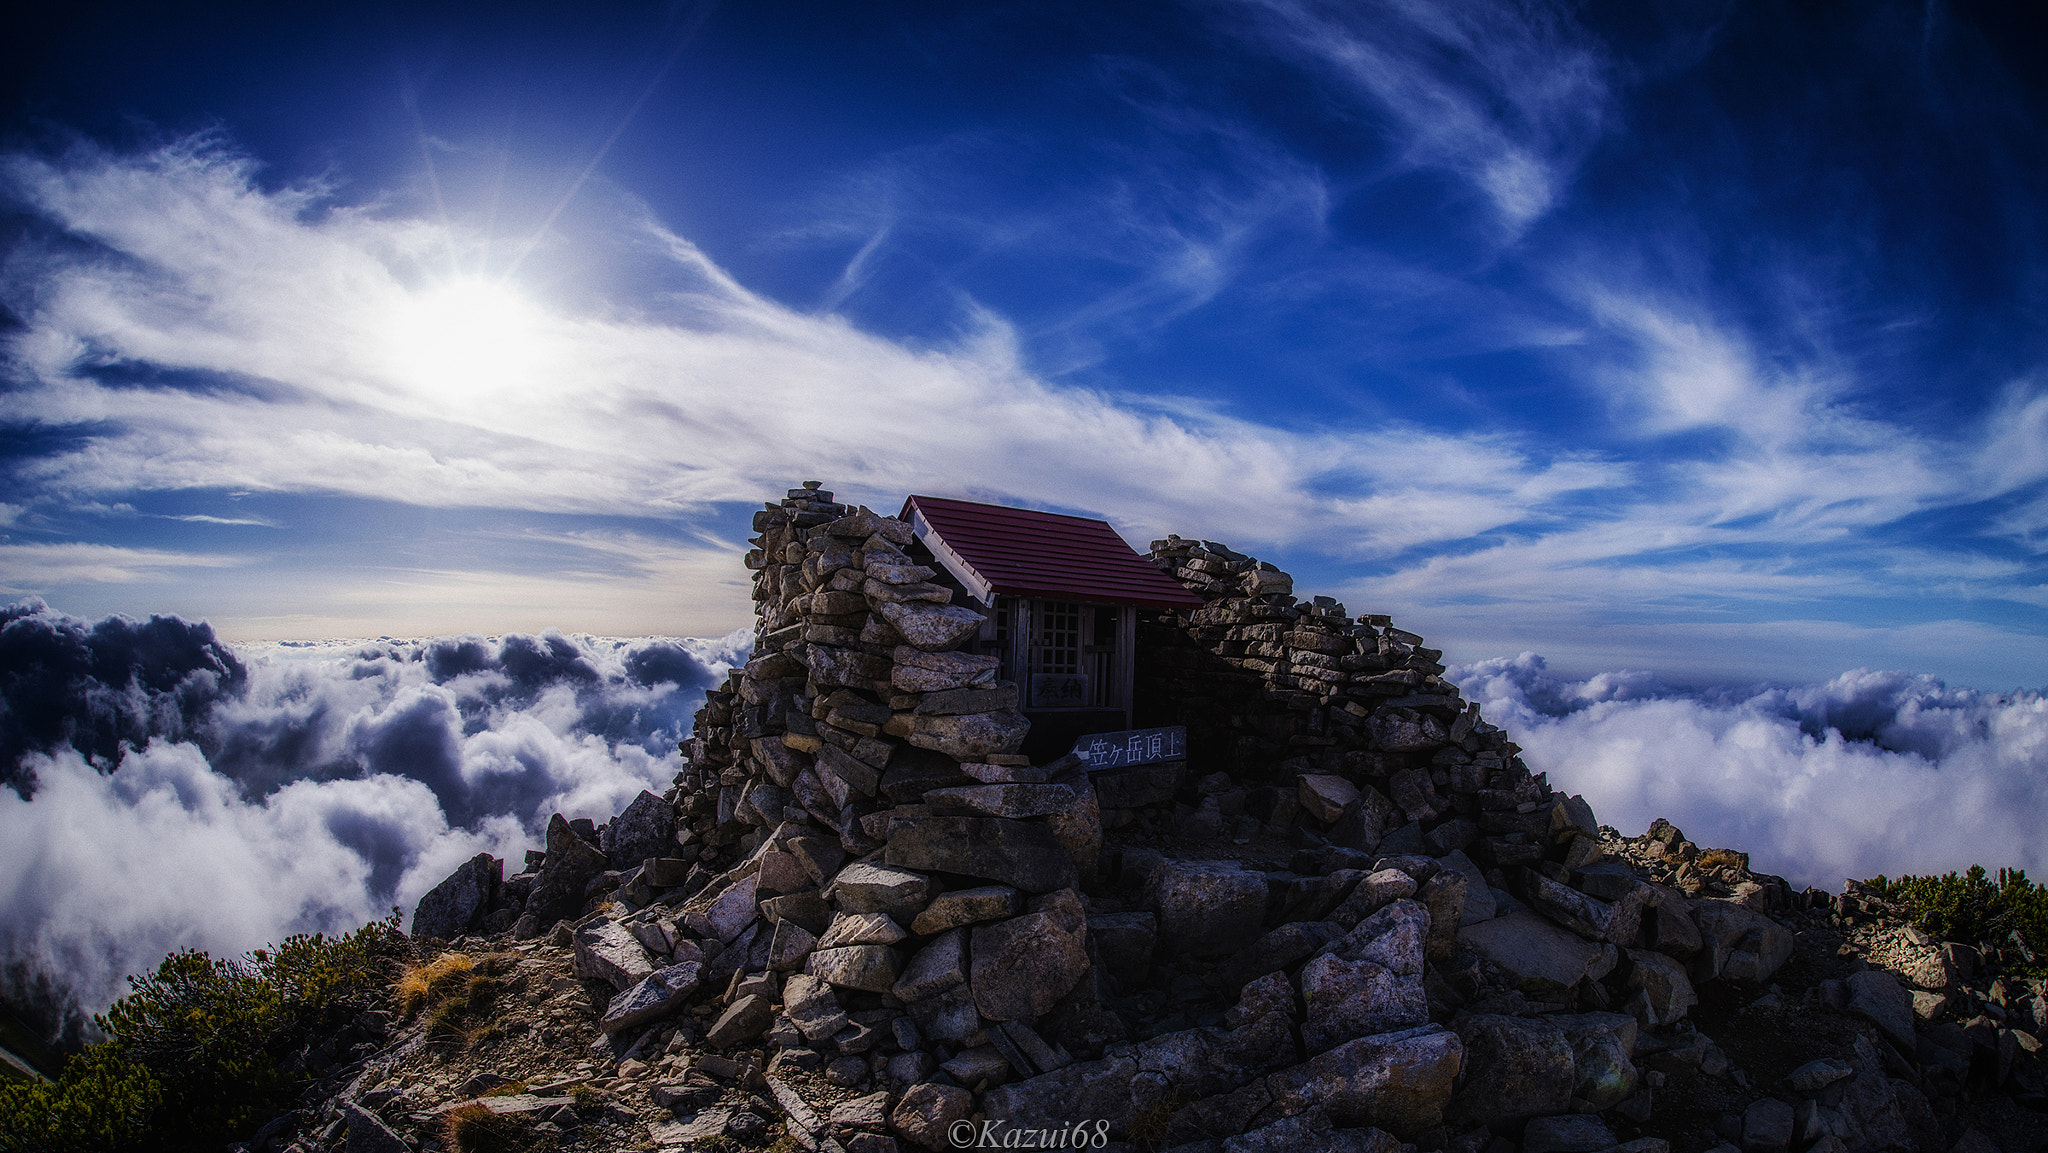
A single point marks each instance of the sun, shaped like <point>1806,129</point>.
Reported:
<point>466,338</point>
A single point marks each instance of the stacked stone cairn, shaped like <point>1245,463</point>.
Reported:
<point>1351,920</point>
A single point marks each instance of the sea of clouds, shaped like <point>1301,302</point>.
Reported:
<point>1868,773</point>
<point>172,791</point>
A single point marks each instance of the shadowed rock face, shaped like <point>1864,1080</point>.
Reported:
<point>646,829</point>
<point>1520,1068</point>
<point>559,887</point>
<point>1206,908</point>
<point>1355,920</point>
<point>459,903</point>
<point>1023,966</point>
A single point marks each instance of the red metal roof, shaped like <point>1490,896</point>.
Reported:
<point>1023,552</point>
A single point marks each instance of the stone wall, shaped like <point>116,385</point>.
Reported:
<point>1340,726</point>
<point>859,712</point>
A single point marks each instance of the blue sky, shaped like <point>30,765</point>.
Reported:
<point>1700,339</point>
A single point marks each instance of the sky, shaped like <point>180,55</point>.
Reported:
<point>385,391</point>
<point>1691,338</point>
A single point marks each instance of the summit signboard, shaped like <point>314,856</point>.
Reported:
<point>1133,747</point>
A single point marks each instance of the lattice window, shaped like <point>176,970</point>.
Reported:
<point>1056,639</point>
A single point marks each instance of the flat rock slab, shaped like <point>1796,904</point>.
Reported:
<point>938,967</point>
<point>511,1103</point>
<point>928,1111</point>
<point>971,1066</point>
<point>1087,1091</point>
<point>1002,800</point>
<point>367,1132</point>
<point>1401,1082</point>
<point>742,1021</point>
<point>1206,908</point>
<point>1537,952</point>
<point>1818,1074</point>
<point>1351,999</point>
<point>861,929</point>
<point>869,1112</point>
<point>850,667</point>
<point>931,628</point>
<point>1877,995</point>
<point>866,887</point>
<point>967,907</point>
<point>918,671</point>
<point>1327,797</point>
<point>1517,1068</point>
<point>956,702</point>
<point>970,736</point>
<point>1023,966</point>
<point>870,968</point>
<point>1023,854</point>
<point>726,915</point>
<point>710,1123</point>
<point>608,951</point>
<point>659,994</point>
<point>1613,922</point>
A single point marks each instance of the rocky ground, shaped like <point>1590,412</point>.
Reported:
<point>1869,1033</point>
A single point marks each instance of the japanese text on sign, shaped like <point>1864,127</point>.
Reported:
<point>1135,747</point>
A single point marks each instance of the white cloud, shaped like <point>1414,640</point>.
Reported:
<point>1798,451</point>
<point>341,779</point>
<point>104,875</point>
<point>26,568</point>
<point>615,581</point>
<point>1867,773</point>
<point>204,518</point>
<point>1510,97</point>
<point>352,378</point>
<point>2014,453</point>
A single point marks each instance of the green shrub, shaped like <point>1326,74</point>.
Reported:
<point>203,1049</point>
<point>102,1100</point>
<point>1974,907</point>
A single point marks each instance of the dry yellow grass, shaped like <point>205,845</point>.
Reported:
<point>453,995</point>
<point>1723,859</point>
<point>425,983</point>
